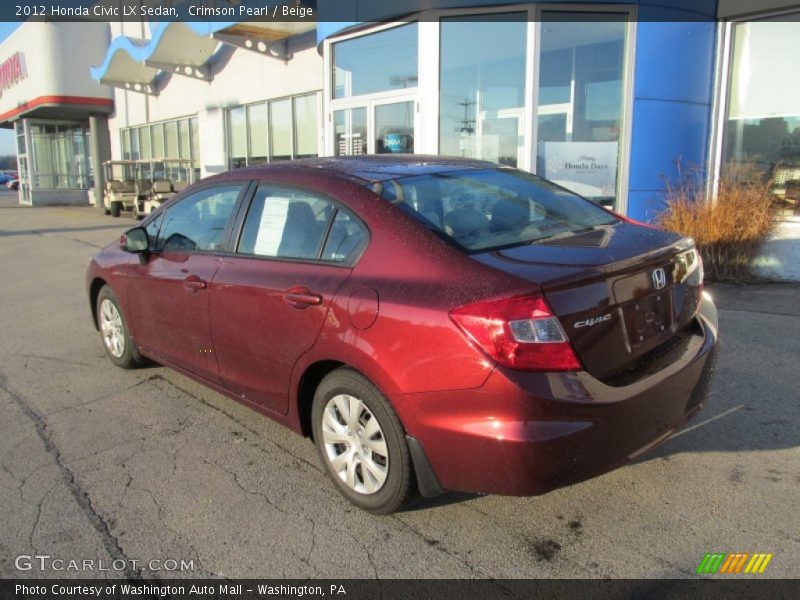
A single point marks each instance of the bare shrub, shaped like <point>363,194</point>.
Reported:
<point>728,230</point>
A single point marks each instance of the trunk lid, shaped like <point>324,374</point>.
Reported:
<point>620,291</point>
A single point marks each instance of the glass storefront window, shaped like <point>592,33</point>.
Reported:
<point>171,139</point>
<point>257,124</point>
<point>58,156</point>
<point>581,74</point>
<point>394,128</point>
<point>183,134</point>
<point>762,132</point>
<point>177,138</point>
<point>381,61</point>
<point>126,144</point>
<point>195,132</point>
<point>350,131</point>
<point>20,128</point>
<point>280,129</point>
<point>145,149</point>
<point>134,144</point>
<point>157,132</point>
<point>237,137</point>
<point>305,126</point>
<point>482,87</point>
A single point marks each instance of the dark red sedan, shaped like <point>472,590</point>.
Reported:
<point>434,324</point>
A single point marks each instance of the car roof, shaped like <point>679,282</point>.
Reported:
<point>375,167</point>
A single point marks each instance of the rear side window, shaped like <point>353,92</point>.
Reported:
<point>486,209</point>
<point>345,240</point>
<point>288,223</point>
<point>198,221</point>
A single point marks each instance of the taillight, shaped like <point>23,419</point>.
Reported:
<point>519,332</point>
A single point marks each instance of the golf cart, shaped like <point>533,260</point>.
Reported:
<point>160,179</point>
<point>121,191</point>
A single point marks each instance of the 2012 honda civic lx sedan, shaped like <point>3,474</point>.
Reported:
<point>433,324</point>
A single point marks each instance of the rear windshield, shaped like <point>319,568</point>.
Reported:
<point>492,208</point>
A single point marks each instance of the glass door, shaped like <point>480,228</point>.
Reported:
<point>384,126</point>
<point>393,127</point>
<point>350,131</point>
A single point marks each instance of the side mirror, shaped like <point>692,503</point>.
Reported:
<point>135,241</point>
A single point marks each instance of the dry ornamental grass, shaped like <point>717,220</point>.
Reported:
<point>728,231</point>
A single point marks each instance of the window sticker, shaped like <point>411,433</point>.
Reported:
<point>271,226</point>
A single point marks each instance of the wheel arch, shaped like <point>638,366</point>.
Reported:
<point>94,291</point>
<point>310,371</point>
<point>307,386</point>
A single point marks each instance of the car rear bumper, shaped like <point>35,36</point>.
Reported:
<point>528,433</point>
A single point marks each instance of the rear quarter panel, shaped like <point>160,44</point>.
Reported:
<point>412,345</point>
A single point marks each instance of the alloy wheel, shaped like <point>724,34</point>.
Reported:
<point>354,444</point>
<point>112,329</point>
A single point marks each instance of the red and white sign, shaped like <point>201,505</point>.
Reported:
<point>12,70</point>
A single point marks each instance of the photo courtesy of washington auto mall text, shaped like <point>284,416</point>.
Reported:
<point>176,589</point>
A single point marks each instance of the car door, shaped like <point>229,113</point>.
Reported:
<point>269,298</point>
<point>169,299</point>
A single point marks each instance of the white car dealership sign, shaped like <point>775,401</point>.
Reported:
<point>587,168</point>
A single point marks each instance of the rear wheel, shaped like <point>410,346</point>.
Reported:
<point>116,209</point>
<point>362,443</point>
<point>114,331</point>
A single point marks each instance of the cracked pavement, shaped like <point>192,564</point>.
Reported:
<point>105,464</point>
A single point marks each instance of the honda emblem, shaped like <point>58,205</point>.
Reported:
<point>659,279</point>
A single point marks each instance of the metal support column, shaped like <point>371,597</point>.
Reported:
<point>100,145</point>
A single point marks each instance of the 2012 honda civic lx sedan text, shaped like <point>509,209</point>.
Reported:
<point>434,324</point>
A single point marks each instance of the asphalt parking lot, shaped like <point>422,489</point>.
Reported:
<point>146,465</point>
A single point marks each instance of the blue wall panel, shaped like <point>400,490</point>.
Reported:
<point>674,61</point>
<point>672,108</point>
<point>665,131</point>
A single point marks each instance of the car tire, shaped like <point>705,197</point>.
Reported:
<point>116,209</point>
<point>368,461</point>
<point>114,332</point>
<point>107,211</point>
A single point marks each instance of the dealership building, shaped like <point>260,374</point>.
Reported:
<point>608,99</point>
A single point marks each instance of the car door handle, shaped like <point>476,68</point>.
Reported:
<point>301,297</point>
<point>194,283</point>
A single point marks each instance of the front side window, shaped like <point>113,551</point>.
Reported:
<point>198,222</point>
<point>378,62</point>
<point>287,223</point>
<point>492,208</point>
<point>152,228</point>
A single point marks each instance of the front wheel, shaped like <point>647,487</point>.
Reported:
<point>362,443</point>
<point>114,331</point>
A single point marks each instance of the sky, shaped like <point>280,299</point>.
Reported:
<point>6,135</point>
